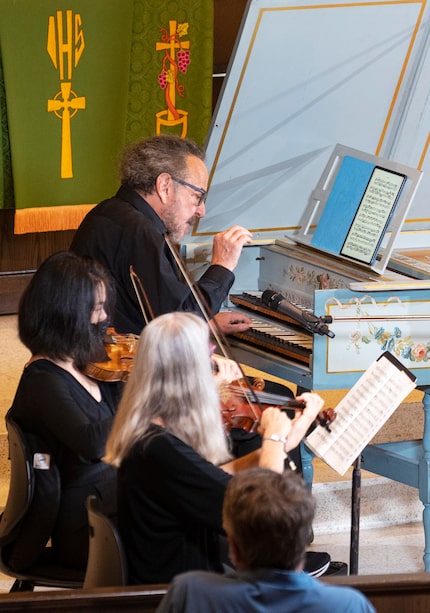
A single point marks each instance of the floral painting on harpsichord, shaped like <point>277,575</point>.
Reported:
<point>367,325</point>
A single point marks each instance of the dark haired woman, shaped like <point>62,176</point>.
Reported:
<point>62,320</point>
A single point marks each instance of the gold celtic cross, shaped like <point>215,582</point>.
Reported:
<point>65,46</point>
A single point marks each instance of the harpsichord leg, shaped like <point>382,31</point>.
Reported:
<point>424,478</point>
<point>307,466</point>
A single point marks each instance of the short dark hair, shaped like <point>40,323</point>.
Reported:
<point>270,516</point>
<point>143,161</point>
<point>55,308</point>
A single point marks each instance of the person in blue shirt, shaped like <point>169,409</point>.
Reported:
<point>267,517</point>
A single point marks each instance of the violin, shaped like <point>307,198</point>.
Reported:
<point>120,352</point>
<point>242,407</point>
<point>241,404</point>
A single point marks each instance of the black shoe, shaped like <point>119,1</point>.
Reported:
<point>316,563</point>
<point>336,568</point>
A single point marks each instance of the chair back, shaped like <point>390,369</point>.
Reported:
<point>107,564</point>
<point>21,485</point>
<point>33,500</point>
<point>28,519</point>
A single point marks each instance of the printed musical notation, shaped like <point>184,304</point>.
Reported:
<point>373,214</point>
<point>362,412</point>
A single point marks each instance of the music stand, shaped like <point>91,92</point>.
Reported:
<point>355,517</point>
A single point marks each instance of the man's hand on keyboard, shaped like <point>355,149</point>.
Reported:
<point>230,322</point>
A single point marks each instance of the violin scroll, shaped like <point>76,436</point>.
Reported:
<point>326,417</point>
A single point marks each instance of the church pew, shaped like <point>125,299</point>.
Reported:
<point>102,600</point>
<point>402,593</point>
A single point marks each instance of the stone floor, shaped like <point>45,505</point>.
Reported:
<point>391,535</point>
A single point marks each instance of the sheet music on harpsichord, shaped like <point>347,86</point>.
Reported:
<point>362,412</point>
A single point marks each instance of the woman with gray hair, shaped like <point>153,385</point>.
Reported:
<point>169,445</point>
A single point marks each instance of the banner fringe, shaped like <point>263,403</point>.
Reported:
<point>50,219</point>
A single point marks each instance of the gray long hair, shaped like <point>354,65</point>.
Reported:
<point>171,380</point>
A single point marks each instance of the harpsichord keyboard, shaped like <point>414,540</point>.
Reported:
<point>271,330</point>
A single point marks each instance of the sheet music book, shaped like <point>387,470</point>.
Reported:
<point>362,412</point>
<point>360,206</point>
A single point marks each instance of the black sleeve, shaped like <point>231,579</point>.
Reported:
<point>164,285</point>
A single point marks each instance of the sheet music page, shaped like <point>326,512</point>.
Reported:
<point>373,214</point>
<point>361,413</point>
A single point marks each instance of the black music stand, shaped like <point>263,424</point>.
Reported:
<point>355,517</point>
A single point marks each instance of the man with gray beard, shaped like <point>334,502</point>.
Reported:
<point>163,190</point>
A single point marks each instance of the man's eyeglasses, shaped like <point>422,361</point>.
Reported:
<point>203,193</point>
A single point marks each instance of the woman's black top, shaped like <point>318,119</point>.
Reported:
<point>51,404</point>
<point>169,508</point>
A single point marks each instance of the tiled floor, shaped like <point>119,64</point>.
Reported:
<point>389,548</point>
<point>391,538</point>
<point>395,549</point>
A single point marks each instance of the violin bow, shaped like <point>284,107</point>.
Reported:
<point>217,333</point>
<point>138,287</point>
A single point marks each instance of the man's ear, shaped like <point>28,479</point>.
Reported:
<point>163,186</point>
<point>234,552</point>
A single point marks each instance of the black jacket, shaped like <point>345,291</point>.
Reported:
<point>124,231</point>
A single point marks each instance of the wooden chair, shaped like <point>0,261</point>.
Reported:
<point>107,564</point>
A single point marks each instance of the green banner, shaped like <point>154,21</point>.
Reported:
<point>171,69</point>
<point>82,78</point>
<point>60,59</point>
<point>6,184</point>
